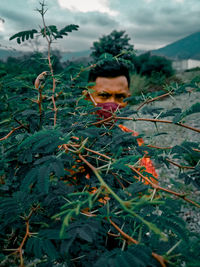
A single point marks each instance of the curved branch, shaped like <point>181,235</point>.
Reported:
<point>157,187</point>
<point>159,258</point>
<point>12,131</point>
<point>49,41</point>
<point>27,234</point>
<point>180,166</point>
<point>169,147</point>
<point>114,117</point>
<point>153,99</point>
<point>162,121</point>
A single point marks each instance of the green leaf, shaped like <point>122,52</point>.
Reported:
<point>22,35</point>
<point>44,141</point>
<point>49,249</point>
<point>30,178</point>
<point>43,179</point>
<point>26,156</point>
<point>195,108</point>
<point>68,28</point>
<point>137,187</point>
<point>85,233</point>
<point>50,234</point>
<point>135,255</point>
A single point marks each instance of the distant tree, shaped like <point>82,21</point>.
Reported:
<point>33,63</point>
<point>146,64</point>
<point>114,43</point>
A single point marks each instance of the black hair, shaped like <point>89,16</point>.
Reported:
<point>109,69</point>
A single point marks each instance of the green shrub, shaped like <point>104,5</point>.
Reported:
<point>139,84</point>
<point>68,196</point>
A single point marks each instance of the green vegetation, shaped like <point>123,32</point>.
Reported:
<point>148,65</point>
<point>68,196</point>
<point>150,72</point>
<point>116,43</point>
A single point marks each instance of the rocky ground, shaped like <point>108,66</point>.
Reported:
<point>175,136</point>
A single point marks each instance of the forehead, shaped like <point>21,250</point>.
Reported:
<point>110,85</point>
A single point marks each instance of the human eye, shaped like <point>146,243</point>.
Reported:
<point>120,96</point>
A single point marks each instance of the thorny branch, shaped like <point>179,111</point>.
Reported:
<point>20,123</point>
<point>114,117</point>
<point>180,166</point>
<point>26,236</point>
<point>49,42</point>
<point>12,131</point>
<point>129,239</point>
<point>157,187</point>
<point>169,147</point>
<point>153,99</point>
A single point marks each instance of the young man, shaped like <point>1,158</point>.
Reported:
<point>112,87</point>
<point>112,83</point>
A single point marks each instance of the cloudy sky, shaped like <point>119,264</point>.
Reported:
<point>149,23</point>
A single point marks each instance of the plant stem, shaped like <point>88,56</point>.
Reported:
<point>146,119</point>
<point>124,204</point>
<point>157,187</point>
<point>180,166</point>
<point>159,258</point>
<point>49,42</point>
<point>27,234</point>
<point>12,131</point>
<point>153,99</point>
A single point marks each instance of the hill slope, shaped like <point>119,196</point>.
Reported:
<point>5,53</point>
<point>188,47</point>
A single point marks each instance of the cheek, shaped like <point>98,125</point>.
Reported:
<point>123,104</point>
<point>98,99</point>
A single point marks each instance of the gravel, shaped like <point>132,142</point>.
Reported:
<point>175,135</point>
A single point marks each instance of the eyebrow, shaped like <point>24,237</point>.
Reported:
<point>103,93</point>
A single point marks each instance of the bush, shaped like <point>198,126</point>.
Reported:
<point>116,43</point>
<point>146,64</point>
<point>68,192</point>
<point>139,84</point>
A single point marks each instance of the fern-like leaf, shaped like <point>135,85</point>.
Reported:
<point>24,35</point>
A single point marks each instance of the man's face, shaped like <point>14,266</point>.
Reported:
<point>111,90</point>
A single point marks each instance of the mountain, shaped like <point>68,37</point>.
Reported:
<point>75,55</point>
<point>188,47</point>
<point>5,53</point>
<point>72,56</point>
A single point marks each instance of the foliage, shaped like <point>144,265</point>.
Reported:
<point>146,64</point>
<point>68,192</point>
<point>151,73</point>
<point>154,69</point>
<point>156,83</point>
<point>115,43</point>
<point>31,63</point>
<point>50,30</point>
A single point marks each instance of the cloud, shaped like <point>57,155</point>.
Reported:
<point>2,29</point>
<point>87,6</point>
<point>96,18</point>
<point>152,23</point>
<point>92,23</point>
<point>149,23</point>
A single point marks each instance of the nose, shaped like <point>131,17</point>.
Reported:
<point>112,99</point>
